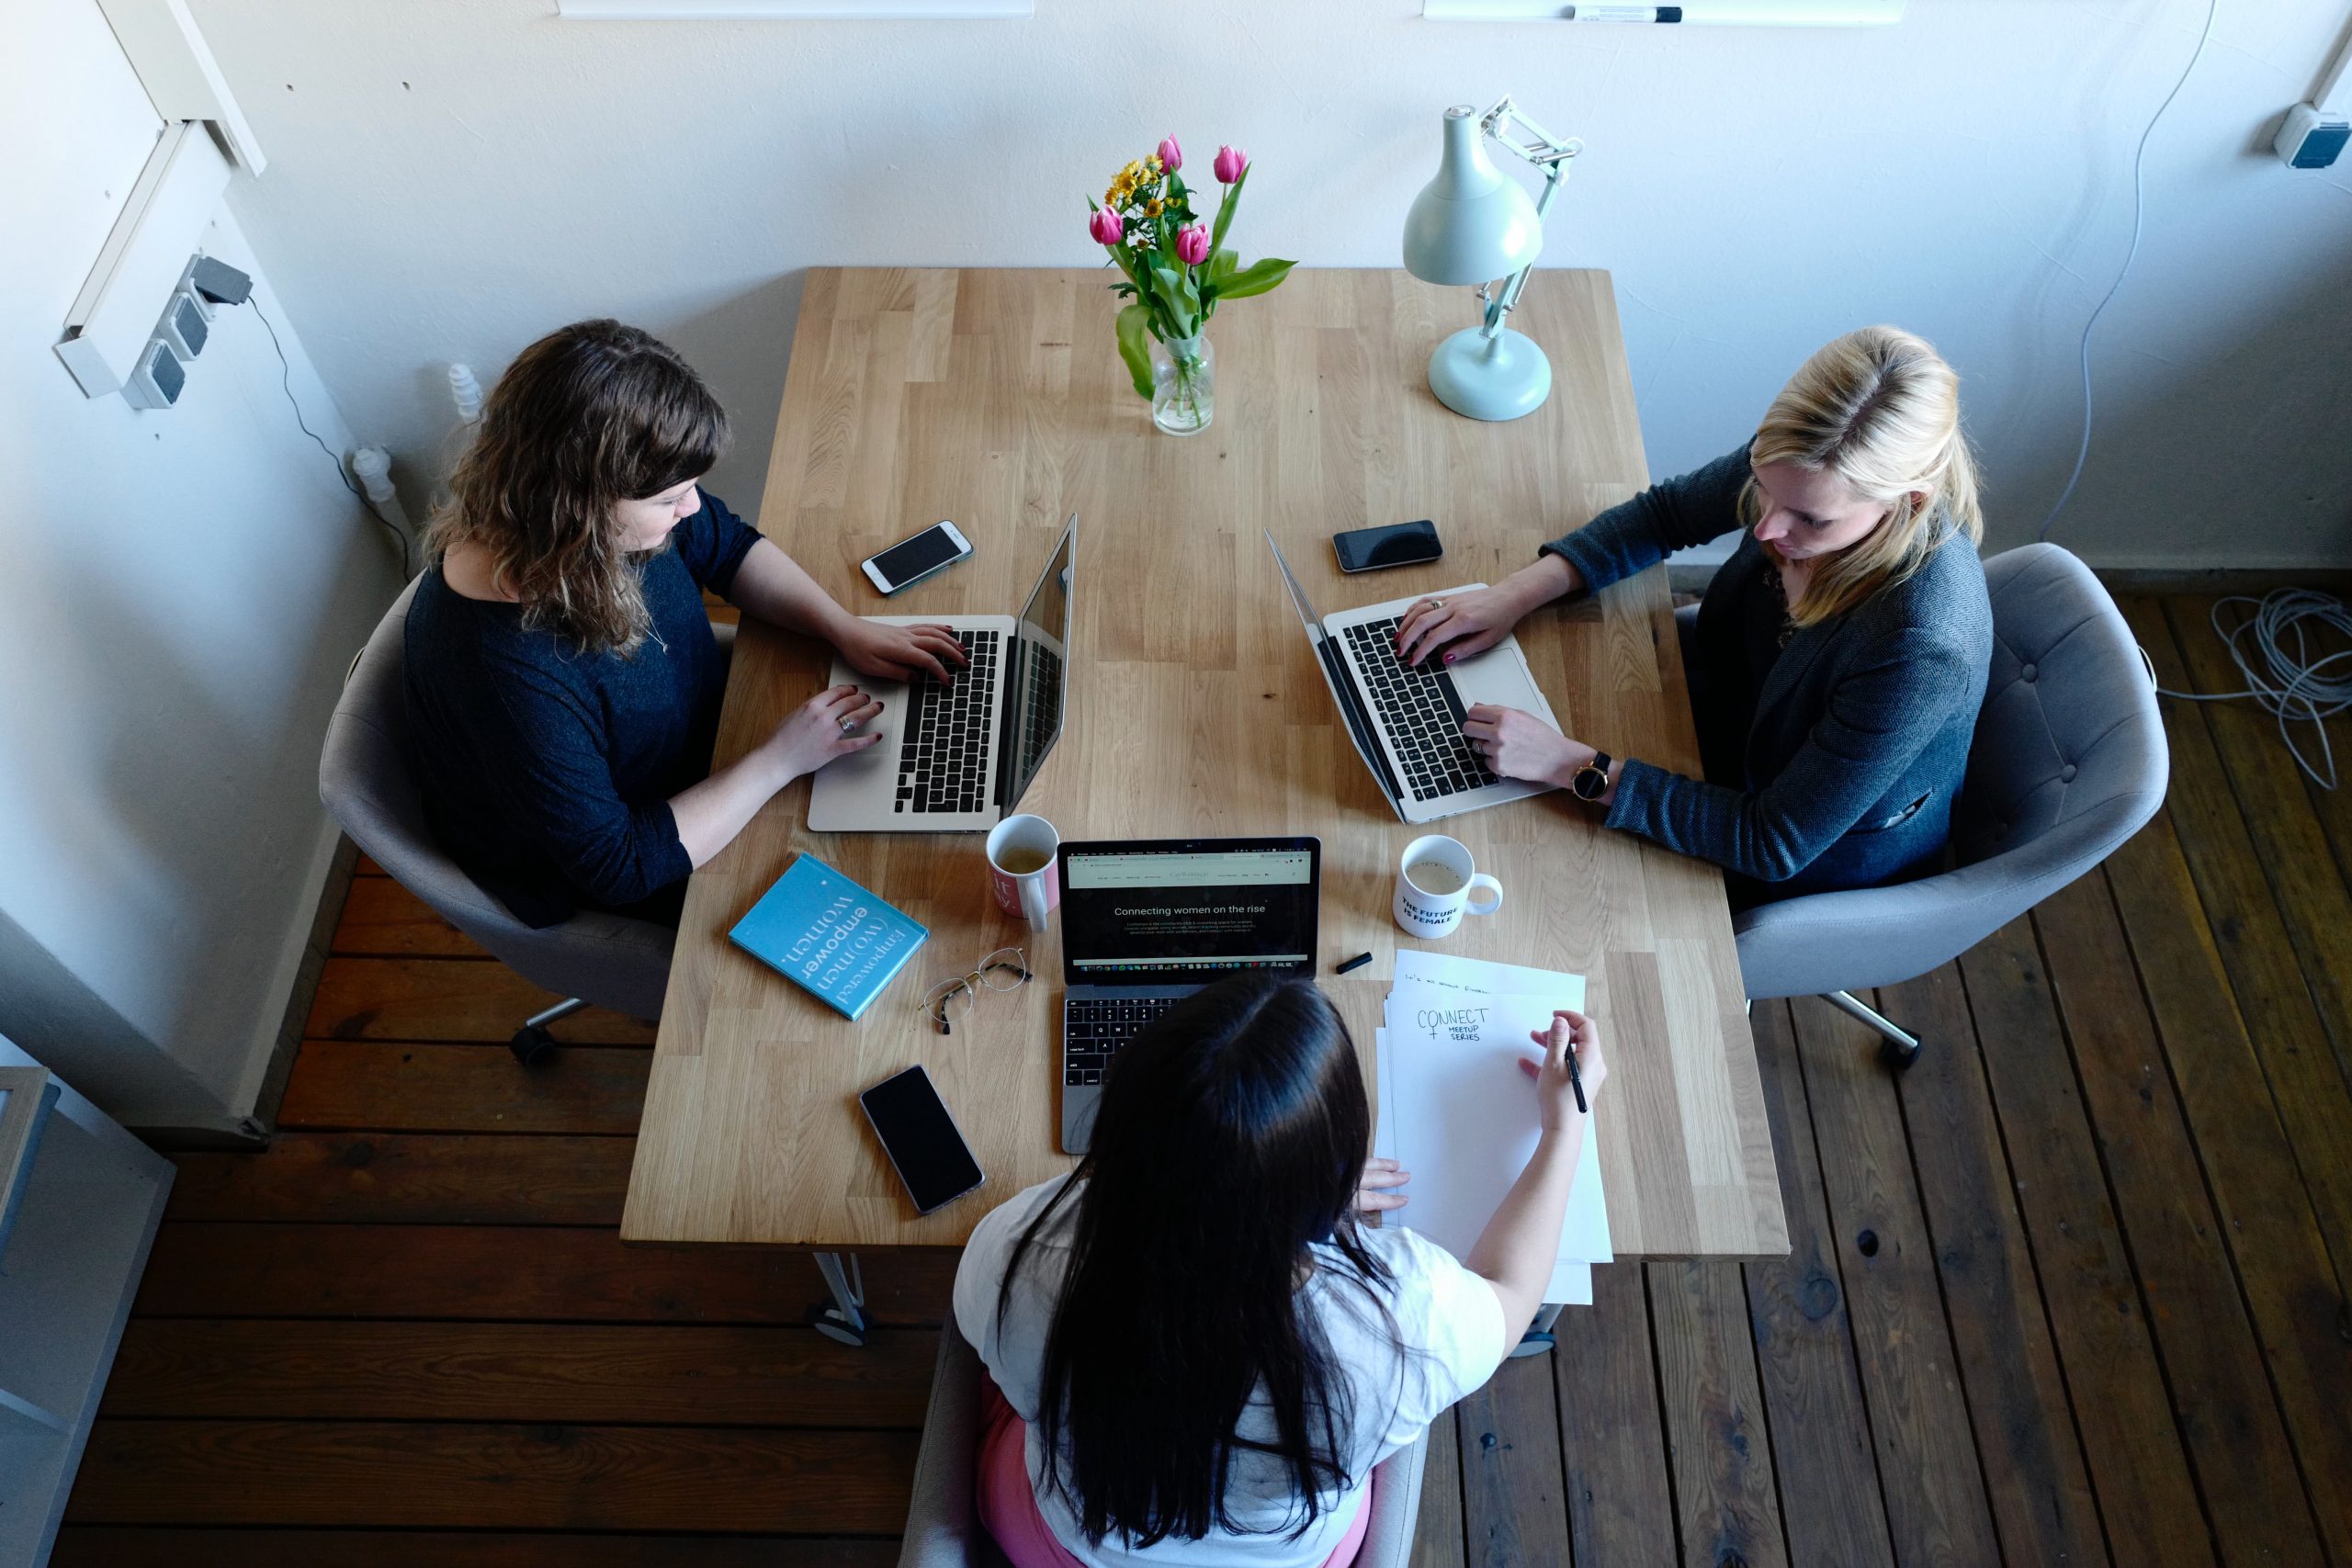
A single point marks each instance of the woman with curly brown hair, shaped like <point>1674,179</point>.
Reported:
<point>563,683</point>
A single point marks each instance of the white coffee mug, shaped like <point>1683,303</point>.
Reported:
<point>1435,879</point>
<point>1021,869</point>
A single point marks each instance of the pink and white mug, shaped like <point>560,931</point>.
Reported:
<point>1022,868</point>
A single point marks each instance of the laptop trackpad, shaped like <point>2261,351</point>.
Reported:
<point>1498,676</point>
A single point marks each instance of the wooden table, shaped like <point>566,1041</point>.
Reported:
<point>997,399</point>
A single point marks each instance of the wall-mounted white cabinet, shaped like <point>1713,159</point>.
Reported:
<point>85,1208</point>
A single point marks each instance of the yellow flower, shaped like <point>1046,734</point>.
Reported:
<point>1151,209</point>
<point>1156,165</point>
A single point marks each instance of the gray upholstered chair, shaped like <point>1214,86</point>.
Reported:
<point>943,1521</point>
<point>368,787</point>
<point>2068,762</point>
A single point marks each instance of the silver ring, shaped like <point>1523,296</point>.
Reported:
<point>848,725</point>
<point>1437,603</point>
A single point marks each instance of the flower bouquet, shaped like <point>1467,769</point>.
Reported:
<point>1178,270</point>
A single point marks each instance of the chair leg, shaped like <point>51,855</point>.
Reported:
<point>1897,1047</point>
<point>532,1044</point>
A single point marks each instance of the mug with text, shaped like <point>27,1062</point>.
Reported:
<point>1435,880</point>
<point>1020,868</point>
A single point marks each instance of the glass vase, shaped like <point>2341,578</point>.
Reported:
<point>1184,384</point>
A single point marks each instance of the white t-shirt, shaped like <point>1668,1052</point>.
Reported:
<point>1448,1319</point>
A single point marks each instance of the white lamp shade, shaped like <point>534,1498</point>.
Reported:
<point>1470,224</point>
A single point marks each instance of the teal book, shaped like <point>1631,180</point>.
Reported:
<point>828,936</point>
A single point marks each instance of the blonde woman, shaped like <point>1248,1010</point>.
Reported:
<point>1840,657</point>
<point>562,681</point>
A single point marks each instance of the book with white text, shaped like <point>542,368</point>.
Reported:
<point>830,937</point>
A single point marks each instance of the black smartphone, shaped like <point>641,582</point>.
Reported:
<point>1401,544</point>
<point>921,1139</point>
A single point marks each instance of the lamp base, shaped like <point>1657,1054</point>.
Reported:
<point>1499,378</point>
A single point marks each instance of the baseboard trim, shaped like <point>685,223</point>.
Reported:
<point>336,886</point>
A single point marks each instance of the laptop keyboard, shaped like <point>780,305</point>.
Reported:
<point>1094,1027</point>
<point>944,766</point>
<point>1422,714</point>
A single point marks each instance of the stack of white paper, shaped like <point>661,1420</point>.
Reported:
<point>1457,1112</point>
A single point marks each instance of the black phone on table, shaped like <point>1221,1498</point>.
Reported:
<point>1402,544</point>
<point>925,1144</point>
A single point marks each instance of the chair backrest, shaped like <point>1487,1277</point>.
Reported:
<point>2069,747</point>
<point>2068,761</point>
<point>370,787</point>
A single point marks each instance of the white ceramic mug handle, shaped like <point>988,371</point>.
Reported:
<point>1477,882</point>
<point>1033,900</point>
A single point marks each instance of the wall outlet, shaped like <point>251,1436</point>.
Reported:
<point>185,325</point>
<point>2310,138</point>
<point>156,379</point>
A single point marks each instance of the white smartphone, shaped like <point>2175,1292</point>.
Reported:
<point>911,560</point>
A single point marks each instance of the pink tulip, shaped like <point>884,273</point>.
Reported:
<point>1106,226</point>
<point>1192,244</point>
<point>1230,161</point>
<point>1171,157</point>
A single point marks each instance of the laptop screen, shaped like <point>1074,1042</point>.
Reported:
<point>1035,675</point>
<point>1170,911</point>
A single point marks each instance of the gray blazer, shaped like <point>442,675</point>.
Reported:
<point>1860,734</point>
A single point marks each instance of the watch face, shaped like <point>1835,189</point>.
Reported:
<point>1588,783</point>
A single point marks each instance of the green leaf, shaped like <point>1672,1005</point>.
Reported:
<point>1224,209</point>
<point>1135,324</point>
<point>1221,266</point>
<point>1258,277</point>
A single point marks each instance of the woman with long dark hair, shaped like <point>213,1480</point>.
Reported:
<point>1199,1354</point>
<point>563,683</point>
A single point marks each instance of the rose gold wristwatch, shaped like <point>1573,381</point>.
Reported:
<point>1591,781</point>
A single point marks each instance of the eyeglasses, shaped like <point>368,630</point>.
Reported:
<point>1006,969</point>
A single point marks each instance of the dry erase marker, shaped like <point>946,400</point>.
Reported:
<point>1623,13</point>
<point>1357,962</point>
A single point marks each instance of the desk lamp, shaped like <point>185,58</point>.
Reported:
<point>1472,225</point>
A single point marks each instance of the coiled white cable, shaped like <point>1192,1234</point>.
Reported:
<point>2283,672</point>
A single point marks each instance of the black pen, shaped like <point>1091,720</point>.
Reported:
<point>1576,1082</point>
<point>1357,962</point>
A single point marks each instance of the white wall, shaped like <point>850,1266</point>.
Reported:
<point>183,590</point>
<point>452,180</point>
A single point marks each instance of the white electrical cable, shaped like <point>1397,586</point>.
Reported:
<point>2139,209</point>
<point>2281,671</point>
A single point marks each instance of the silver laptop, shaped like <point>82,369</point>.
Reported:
<point>1406,720</point>
<point>1147,922</point>
<point>958,757</point>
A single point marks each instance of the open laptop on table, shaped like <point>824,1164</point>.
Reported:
<point>958,757</point>
<point>1406,720</point>
<point>1147,922</point>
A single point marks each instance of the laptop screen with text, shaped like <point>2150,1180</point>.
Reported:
<point>1189,911</point>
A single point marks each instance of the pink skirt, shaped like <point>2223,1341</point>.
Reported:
<point>1008,1505</point>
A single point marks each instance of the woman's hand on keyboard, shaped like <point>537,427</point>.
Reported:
<point>1464,624</point>
<point>1461,624</point>
<point>1520,746</point>
<point>812,736</point>
<point>901,653</point>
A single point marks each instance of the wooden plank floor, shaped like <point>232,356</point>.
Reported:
<point>2071,1291</point>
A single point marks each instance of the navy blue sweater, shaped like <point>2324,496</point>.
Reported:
<point>1846,750</point>
<point>546,771</point>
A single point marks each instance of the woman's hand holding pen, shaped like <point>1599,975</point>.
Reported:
<point>1572,1071</point>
